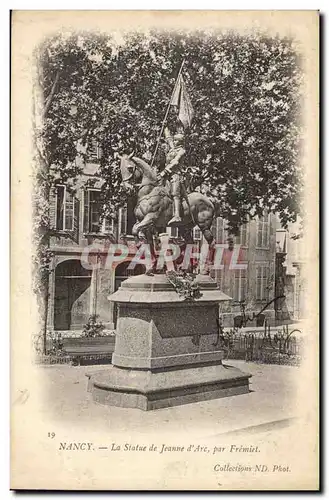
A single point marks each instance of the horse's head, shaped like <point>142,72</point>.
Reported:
<point>129,172</point>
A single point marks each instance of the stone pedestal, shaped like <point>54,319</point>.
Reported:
<point>166,351</point>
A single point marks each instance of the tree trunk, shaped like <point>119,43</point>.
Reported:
<point>41,107</point>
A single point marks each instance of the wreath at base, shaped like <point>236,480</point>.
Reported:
<point>185,284</point>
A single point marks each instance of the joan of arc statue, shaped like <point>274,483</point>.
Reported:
<point>173,171</point>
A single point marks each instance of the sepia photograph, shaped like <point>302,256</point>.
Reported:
<point>164,250</point>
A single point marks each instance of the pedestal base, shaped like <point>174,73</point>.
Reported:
<point>166,348</point>
<point>148,390</point>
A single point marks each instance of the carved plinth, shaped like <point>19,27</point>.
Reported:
<point>166,349</point>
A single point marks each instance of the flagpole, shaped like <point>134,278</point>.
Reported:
<point>166,115</point>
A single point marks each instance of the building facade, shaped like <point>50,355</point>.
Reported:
<point>248,268</point>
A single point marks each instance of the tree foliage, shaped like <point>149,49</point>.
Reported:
<point>245,140</point>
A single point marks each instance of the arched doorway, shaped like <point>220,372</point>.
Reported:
<point>72,295</point>
<point>122,273</point>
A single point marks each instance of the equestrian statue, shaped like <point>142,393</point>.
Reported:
<point>162,197</point>
<point>155,207</point>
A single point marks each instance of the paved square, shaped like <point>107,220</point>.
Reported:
<point>269,405</point>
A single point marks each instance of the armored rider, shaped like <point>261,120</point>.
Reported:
<point>174,164</point>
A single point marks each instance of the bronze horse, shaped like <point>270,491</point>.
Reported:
<point>154,207</point>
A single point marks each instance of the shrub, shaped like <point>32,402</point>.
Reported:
<point>93,327</point>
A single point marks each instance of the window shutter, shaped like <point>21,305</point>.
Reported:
<point>52,207</point>
<point>265,283</point>
<point>258,283</point>
<point>267,234</point>
<point>60,207</point>
<point>122,221</point>
<point>219,273</point>
<point>236,285</point>
<point>86,211</point>
<point>259,232</point>
<point>243,284</point>
<point>76,218</point>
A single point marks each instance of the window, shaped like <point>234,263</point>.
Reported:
<point>172,231</point>
<point>107,226</point>
<point>221,233</point>
<point>94,151</point>
<point>127,217</point>
<point>239,284</point>
<point>93,209</point>
<point>243,238</point>
<point>197,235</point>
<point>262,282</point>
<point>263,231</point>
<point>64,209</point>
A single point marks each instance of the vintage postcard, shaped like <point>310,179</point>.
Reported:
<point>164,229</point>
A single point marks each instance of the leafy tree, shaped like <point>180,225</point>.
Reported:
<point>244,144</point>
<point>245,139</point>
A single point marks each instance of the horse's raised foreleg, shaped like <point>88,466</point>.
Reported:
<point>140,235</point>
<point>146,224</point>
<point>143,232</point>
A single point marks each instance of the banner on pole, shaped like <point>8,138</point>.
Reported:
<point>182,101</point>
